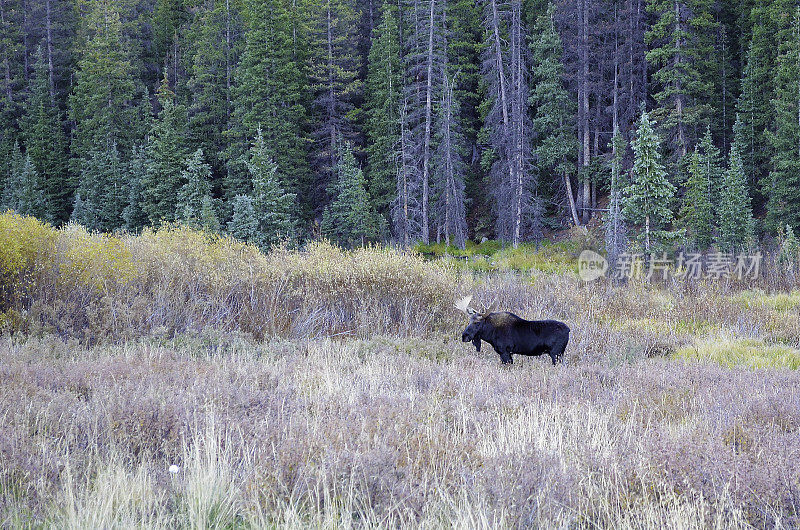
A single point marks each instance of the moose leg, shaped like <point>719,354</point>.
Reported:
<point>505,357</point>
<point>557,352</point>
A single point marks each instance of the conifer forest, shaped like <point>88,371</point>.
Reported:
<point>668,122</point>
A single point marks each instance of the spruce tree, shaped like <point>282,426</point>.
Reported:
<point>243,224</point>
<point>135,218</point>
<point>753,108</point>
<point>273,207</point>
<point>335,83</point>
<point>23,192</point>
<point>710,159</point>
<point>383,97</point>
<point>349,219</point>
<point>735,214</point>
<point>647,196</point>
<point>553,110</point>
<point>270,93</point>
<point>166,152</point>
<point>194,198</point>
<point>783,188</point>
<point>681,50</point>
<point>213,50</point>
<point>695,214</point>
<point>46,145</point>
<point>102,102</point>
<point>103,190</point>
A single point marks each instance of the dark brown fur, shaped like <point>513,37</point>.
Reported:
<point>509,334</point>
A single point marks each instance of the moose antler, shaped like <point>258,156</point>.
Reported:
<point>490,308</point>
<point>463,305</point>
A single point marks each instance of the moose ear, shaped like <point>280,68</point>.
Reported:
<point>477,343</point>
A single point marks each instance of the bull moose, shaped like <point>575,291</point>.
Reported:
<point>509,334</point>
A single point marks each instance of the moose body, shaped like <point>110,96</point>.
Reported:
<point>509,334</point>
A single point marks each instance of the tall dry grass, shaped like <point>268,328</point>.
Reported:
<point>383,433</point>
<point>327,388</point>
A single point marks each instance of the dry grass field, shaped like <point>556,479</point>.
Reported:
<point>328,389</point>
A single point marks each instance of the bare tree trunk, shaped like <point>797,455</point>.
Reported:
<point>502,80</point>
<point>571,199</point>
<point>585,104</point>
<point>428,117</point>
<point>519,113</point>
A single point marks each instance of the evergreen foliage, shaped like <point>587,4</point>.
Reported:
<point>167,151</point>
<point>681,50</point>
<point>23,192</point>
<point>695,215</point>
<point>274,208</point>
<point>349,220</point>
<point>102,103</point>
<point>46,144</point>
<point>195,205</point>
<point>270,93</point>
<point>243,224</point>
<point>736,225</point>
<point>647,197</point>
<point>783,187</point>
<point>384,89</point>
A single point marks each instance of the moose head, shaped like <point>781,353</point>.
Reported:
<point>473,331</point>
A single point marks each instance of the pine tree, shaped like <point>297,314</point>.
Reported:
<point>753,108</point>
<point>135,218</point>
<point>167,20</point>
<point>273,207</point>
<point>406,208</point>
<point>349,220</point>
<point>711,161</point>
<point>615,226</point>
<point>194,198</point>
<point>555,143</point>
<point>383,99</point>
<point>243,224</point>
<point>23,192</point>
<point>12,52</point>
<point>783,189</point>
<point>271,93</point>
<point>695,215</point>
<point>102,102</point>
<point>736,230</point>
<point>681,48</point>
<point>335,82</point>
<point>213,49</point>
<point>166,153</point>
<point>788,250</point>
<point>647,196</point>
<point>46,145</point>
<point>103,190</point>
<point>425,63</point>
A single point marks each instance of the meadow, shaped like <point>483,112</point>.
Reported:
<point>329,389</point>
